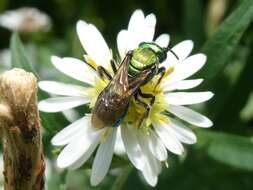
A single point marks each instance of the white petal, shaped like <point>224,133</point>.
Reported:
<point>93,43</point>
<point>70,132</point>
<point>149,176</point>
<point>183,133</point>
<point>74,151</point>
<point>122,43</point>
<point>102,161</point>
<point>140,29</point>
<point>149,28</point>
<point>183,49</point>
<point>136,20</point>
<point>187,68</point>
<point>135,29</point>
<point>119,145</point>
<point>71,115</point>
<point>152,167</point>
<point>187,98</point>
<point>168,138</point>
<point>86,155</point>
<point>132,147</point>
<point>62,88</point>
<point>163,40</point>
<point>75,68</point>
<point>181,85</point>
<point>151,161</point>
<point>156,147</point>
<point>61,103</point>
<point>190,116</point>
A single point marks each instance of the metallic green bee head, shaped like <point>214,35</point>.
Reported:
<point>160,52</point>
<point>145,56</point>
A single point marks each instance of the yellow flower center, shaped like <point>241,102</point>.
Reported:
<point>136,111</point>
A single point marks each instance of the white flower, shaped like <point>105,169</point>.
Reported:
<point>145,145</point>
<point>25,19</point>
<point>5,59</point>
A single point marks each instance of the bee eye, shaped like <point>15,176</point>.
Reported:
<point>141,44</point>
<point>162,56</point>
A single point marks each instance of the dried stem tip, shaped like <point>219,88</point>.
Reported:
<point>19,118</point>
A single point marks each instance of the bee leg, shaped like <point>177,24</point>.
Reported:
<point>145,106</point>
<point>103,72</point>
<point>161,72</point>
<point>144,95</point>
<point>113,65</point>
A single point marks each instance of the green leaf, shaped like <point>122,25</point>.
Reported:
<point>18,55</point>
<point>247,112</point>
<point>233,150</point>
<point>238,96</point>
<point>51,122</point>
<point>223,43</point>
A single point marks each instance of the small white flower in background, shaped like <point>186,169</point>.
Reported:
<point>25,19</point>
<point>5,59</point>
<point>145,146</point>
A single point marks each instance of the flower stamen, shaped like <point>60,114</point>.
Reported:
<point>168,71</point>
<point>90,62</point>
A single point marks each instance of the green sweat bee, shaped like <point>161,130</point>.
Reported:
<point>138,67</point>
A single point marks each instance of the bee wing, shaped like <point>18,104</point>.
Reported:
<point>120,83</point>
<point>112,102</point>
<point>125,86</point>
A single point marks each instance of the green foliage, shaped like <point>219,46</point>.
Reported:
<point>234,150</point>
<point>223,43</point>
<point>18,56</point>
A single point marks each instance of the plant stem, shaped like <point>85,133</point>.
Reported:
<point>20,123</point>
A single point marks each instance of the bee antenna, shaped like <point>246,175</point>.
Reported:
<point>170,50</point>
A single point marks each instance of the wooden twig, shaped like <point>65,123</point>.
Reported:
<point>20,124</point>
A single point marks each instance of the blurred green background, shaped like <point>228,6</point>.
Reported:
<point>223,157</point>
